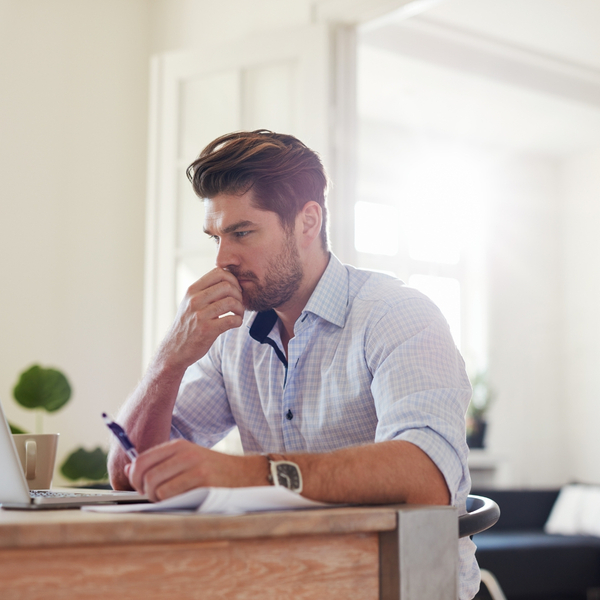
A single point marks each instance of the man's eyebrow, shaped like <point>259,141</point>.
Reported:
<point>234,227</point>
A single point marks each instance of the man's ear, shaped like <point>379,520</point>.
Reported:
<point>309,222</point>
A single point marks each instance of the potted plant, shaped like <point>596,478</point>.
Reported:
<point>47,390</point>
<point>482,398</point>
<point>41,390</point>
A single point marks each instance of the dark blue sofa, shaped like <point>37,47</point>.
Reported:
<point>530,564</point>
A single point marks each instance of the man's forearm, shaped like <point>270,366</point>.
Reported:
<point>386,472</point>
<point>146,416</point>
<point>211,306</point>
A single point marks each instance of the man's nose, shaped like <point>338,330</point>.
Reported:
<point>226,256</point>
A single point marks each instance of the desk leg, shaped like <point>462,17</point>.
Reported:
<point>419,560</point>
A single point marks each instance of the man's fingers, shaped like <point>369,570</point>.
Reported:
<point>212,294</point>
<point>146,461</point>
<point>222,307</point>
<point>198,323</point>
<point>169,469</point>
<point>206,326</point>
<point>228,322</point>
<point>213,278</point>
<point>173,486</point>
<point>160,476</point>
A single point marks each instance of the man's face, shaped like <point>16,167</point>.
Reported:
<point>252,244</point>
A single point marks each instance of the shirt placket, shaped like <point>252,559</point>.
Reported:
<point>292,414</point>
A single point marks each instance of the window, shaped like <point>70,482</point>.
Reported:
<point>420,214</point>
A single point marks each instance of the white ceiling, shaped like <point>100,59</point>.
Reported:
<point>567,29</point>
<point>518,73</point>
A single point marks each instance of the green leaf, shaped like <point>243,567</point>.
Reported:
<point>42,388</point>
<point>83,464</point>
<point>15,429</point>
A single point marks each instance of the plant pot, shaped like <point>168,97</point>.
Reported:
<point>476,435</point>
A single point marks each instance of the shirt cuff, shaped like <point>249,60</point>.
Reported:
<point>441,453</point>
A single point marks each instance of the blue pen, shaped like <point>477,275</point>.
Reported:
<point>123,438</point>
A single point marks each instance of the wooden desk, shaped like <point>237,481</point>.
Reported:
<point>405,552</point>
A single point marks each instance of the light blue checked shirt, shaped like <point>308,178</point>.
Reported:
<point>371,360</point>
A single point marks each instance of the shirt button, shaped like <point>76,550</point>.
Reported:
<point>289,415</point>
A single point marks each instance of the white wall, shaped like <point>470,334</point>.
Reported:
<point>187,24</point>
<point>73,120</point>
<point>526,323</point>
<point>581,268</point>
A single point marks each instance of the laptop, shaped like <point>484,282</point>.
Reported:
<point>15,493</point>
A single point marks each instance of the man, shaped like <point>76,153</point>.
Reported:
<point>347,379</point>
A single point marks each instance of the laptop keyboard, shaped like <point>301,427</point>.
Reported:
<point>50,494</point>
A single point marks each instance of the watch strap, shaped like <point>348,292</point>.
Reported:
<point>272,458</point>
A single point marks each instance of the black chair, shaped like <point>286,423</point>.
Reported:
<point>481,514</point>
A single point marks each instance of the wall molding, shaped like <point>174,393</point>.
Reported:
<point>426,39</point>
<point>352,12</point>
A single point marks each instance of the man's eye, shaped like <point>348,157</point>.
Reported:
<point>241,234</point>
<point>214,238</point>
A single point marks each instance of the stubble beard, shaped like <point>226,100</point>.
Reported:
<point>282,281</point>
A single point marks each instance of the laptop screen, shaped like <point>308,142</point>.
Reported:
<point>13,485</point>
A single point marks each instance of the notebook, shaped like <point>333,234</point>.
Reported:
<point>15,493</point>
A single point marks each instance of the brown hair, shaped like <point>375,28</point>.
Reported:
<point>281,171</point>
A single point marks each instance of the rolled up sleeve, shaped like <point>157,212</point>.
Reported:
<point>420,388</point>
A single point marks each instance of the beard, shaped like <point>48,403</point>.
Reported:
<point>281,282</point>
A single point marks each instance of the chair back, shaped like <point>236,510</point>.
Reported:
<point>481,514</point>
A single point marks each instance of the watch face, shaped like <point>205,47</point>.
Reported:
<point>288,475</point>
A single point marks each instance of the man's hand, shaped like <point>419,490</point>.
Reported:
<point>199,321</point>
<point>178,466</point>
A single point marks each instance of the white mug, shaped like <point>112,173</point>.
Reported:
<point>37,453</point>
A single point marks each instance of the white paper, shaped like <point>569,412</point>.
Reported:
<point>226,501</point>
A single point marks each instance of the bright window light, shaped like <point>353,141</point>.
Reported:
<point>433,244</point>
<point>433,223</point>
<point>376,228</point>
<point>445,292</point>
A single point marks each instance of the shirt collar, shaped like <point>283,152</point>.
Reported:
<point>329,301</point>
<point>330,298</point>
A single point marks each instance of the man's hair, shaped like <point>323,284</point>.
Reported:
<point>281,171</point>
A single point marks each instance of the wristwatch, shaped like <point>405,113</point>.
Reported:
<point>284,473</point>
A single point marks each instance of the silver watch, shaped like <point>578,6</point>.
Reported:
<point>284,473</point>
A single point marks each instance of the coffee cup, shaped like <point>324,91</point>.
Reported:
<point>37,453</point>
